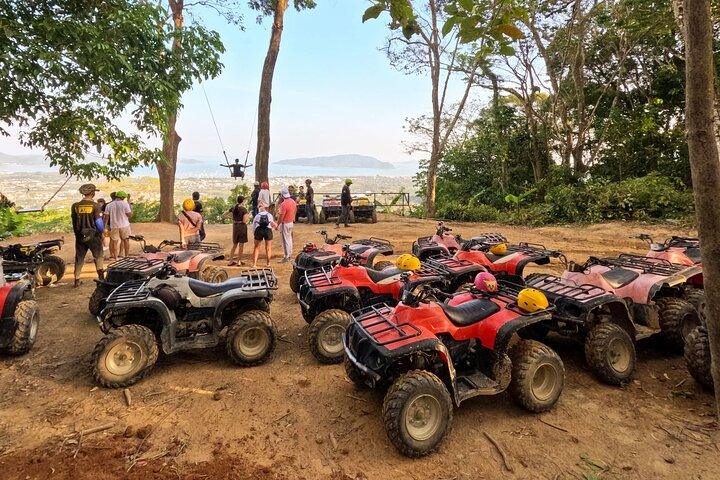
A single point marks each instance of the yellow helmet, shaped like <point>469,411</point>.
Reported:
<point>407,261</point>
<point>532,300</point>
<point>188,204</point>
<point>499,249</point>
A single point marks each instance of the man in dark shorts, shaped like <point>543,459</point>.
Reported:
<point>240,217</point>
<point>345,204</point>
<point>310,201</point>
<point>87,237</point>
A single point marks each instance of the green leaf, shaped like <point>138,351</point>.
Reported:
<point>466,4</point>
<point>373,12</point>
<point>506,50</point>
<point>449,25</point>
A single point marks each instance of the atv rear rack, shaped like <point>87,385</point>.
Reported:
<point>655,266</point>
<point>204,247</point>
<point>136,264</point>
<point>259,279</point>
<point>555,286</point>
<point>446,265</point>
<point>132,291</point>
<point>507,293</point>
<point>484,240</point>
<point>321,277</point>
<point>380,316</point>
<point>534,248</point>
<point>384,246</point>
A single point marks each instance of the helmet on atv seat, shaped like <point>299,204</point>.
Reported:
<point>486,282</point>
<point>407,262</point>
<point>188,204</point>
<point>499,249</point>
<point>532,300</point>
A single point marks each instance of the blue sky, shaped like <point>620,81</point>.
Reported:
<point>334,92</point>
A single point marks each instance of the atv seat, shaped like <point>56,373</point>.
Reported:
<point>378,276</point>
<point>182,257</point>
<point>358,249</point>
<point>619,277</point>
<point>205,289</point>
<point>467,313</point>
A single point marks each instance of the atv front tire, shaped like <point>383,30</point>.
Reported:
<point>213,274</point>
<point>538,376</point>
<point>697,357</point>
<point>354,373</point>
<point>27,317</point>
<point>326,333</point>
<point>124,356</point>
<point>51,270</point>
<point>678,318</point>
<point>610,353</point>
<point>417,412</point>
<point>252,338</point>
<point>97,301</point>
<point>295,280</point>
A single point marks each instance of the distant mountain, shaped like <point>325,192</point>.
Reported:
<point>339,161</point>
<point>18,160</point>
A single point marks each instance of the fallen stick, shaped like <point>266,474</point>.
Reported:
<point>551,425</point>
<point>90,431</point>
<point>355,398</point>
<point>282,416</point>
<point>286,340</point>
<point>501,451</point>
<point>128,398</point>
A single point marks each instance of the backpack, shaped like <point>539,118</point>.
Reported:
<point>264,221</point>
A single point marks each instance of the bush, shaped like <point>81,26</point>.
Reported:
<point>145,212</point>
<point>469,213</point>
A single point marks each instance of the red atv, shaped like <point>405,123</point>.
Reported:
<point>19,313</point>
<point>680,250</point>
<point>662,296</point>
<point>512,262</point>
<point>443,242</point>
<point>436,355</point>
<point>312,256</point>
<point>328,295</point>
<point>192,262</point>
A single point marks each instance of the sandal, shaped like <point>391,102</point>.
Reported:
<point>232,263</point>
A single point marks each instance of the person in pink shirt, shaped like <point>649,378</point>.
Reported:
<point>286,221</point>
<point>190,224</point>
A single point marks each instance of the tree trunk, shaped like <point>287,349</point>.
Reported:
<point>166,169</point>
<point>704,162</point>
<point>262,154</point>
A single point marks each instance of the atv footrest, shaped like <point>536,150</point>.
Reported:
<point>475,384</point>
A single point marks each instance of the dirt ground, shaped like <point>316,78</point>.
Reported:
<point>198,416</point>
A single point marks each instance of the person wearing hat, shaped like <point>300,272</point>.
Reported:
<point>84,215</point>
<point>117,215</point>
<point>309,202</point>
<point>286,217</point>
<point>190,224</point>
<point>345,204</point>
<point>254,198</point>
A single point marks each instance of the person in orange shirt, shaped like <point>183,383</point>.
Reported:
<point>286,221</point>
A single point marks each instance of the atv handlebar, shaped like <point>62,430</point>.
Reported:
<point>333,241</point>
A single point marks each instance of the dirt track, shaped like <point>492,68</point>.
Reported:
<point>293,418</point>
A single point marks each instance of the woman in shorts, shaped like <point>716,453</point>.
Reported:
<point>240,217</point>
<point>263,225</point>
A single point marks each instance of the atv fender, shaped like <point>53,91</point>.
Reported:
<point>691,275</point>
<point>505,333</point>
<point>162,322</point>
<point>233,304</point>
<point>10,296</point>
<point>619,315</point>
<point>197,262</point>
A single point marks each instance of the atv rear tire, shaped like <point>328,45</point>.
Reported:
<point>27,317</point>
<point>295,280</point>
<point>697,357</point>
<point>610,353</point>
<point>538,376</point>
<point>383,264</point>
<point>354,373</point>
<point>51,270</point>
<point>678,318</point>
<point>696,296</point>
<point>251,338</point>
<point>97,301</point>
<point>124,356</point>
<point>417,412</point>
<point>326,332</point>
<point>213,274</point>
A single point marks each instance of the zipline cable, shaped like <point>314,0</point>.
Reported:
<point>212,116</point>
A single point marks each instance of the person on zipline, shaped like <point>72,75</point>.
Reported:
<point>88,231</point>
<point>345,204</point>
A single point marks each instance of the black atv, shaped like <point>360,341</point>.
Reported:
<point>37,258</point>
<point>19,313</point>
<point>176,313</point>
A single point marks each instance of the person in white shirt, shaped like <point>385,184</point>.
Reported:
<point>118,213</point>
<point>264,197</point>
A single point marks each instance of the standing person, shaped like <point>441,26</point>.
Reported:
<point>345,204</point>
<point>264,197</point>
<point>117,214</point>
<point>189,223</point>
<point>240,217</point>
<point>263,225</point>
<point>84,215</point>
<point>286,216</point>
<point>254,198</point>
<point>102,204</point>
<point>310,201</point>
<point>198,204</point>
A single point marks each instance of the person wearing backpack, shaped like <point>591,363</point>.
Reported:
<point>84,215</point>
<point>263,225</point>
<point>190,224</point>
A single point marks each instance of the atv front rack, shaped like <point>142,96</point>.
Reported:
<point>654,266</point>
<point>384,246</point>
<point>377,321</point>
<point>556,286</point>
<point>132,291</point>
<point>259,279</point>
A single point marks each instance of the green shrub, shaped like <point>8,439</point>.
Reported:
<point>144,212</point>
<point>469,213</point>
